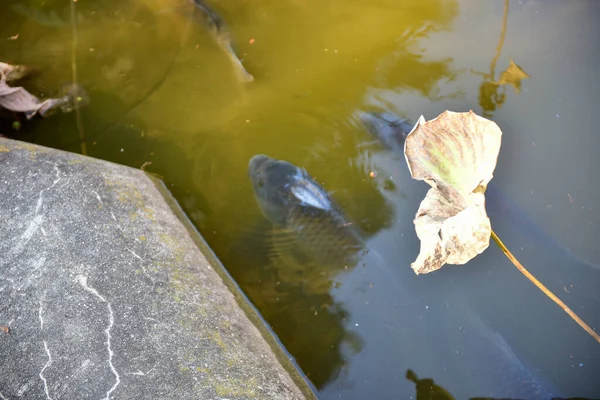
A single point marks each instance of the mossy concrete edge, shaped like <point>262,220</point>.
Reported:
<point>242,300</point>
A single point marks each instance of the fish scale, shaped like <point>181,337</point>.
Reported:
<point>332,240</point>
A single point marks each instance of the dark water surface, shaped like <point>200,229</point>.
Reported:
<point>163,92</point>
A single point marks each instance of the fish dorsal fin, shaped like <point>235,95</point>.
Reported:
<point>310,193</point>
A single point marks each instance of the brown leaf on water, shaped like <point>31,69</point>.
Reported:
<point>18,99</point>
<point>11,73</point>
<point>513,75</point>
<point>456,155</point>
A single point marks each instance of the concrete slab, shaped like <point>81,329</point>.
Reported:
<point>105,293</point>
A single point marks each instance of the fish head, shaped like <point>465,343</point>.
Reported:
<point>388,128</point>
<point>279,186</point>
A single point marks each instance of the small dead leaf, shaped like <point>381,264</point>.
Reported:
<point>5,329</point>
<point>456,155</point>
<point>513,75</point>
<point>18,99</point>
<point>11,73</point>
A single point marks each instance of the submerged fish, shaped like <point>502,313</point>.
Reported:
<point>505,373</point>
<point>297,205</point>
<point>388,128</point>
<point>222,36</point>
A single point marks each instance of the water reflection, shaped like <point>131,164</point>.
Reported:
<point>491,92</point>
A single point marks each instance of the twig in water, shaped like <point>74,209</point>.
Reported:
<point>74,42</point>
<point>543,288</point>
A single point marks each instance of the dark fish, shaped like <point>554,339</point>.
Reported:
<point>506,374</point>
<point>387,128</point>
<point>222,36</point>
<point>294,203</point>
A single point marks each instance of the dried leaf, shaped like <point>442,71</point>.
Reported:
<point>10,73</point>
<point>18,99</point>
<point>513,75</point>
<point>456,155</point>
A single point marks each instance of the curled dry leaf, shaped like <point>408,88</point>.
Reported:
<point>18,99</point>
<point>11,73</point>
<point>513,75</point>
<point>456,154</point>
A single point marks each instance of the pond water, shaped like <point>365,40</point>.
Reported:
<point>164,93</point>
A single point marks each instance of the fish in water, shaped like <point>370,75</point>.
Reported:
<point>219,31</point>
<point>388,128</point>
<point>504,373</point>
<point>294,203</point>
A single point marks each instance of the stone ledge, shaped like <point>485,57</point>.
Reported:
<point>107,292</point>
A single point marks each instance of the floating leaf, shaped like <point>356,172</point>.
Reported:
<point>513,75</point>
<point>456,154</point>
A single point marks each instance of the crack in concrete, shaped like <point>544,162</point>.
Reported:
<point>41,196</point>
<point>35,224</point>
<point>40,316</point>
<point>48,363</point>
<point>82,280</point>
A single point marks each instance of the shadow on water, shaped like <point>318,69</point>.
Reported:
<point>427,389</point>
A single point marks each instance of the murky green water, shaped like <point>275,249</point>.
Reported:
<point>163,92</point>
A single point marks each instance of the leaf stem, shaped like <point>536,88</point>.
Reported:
<point>74,43</point>
<point>543,288</point>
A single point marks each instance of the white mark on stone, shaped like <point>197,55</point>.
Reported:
<point>37,264</point>
<point>82,280</point>
<point>116,223</point>
<point>48,363</point>
<point>32,228</point>
<point>111,213</point>
<point>34,225</point>
<point>135,255</point>
<point>140,373</point>
<point>40,316</point>
<point>41,196</point>
<point>2,396</point>
<point>143,267</point>
<point>24,388</point>
<point>98,197</point>
<point>43,231</point>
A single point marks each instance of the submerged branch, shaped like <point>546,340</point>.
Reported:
<point>543,288</point>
